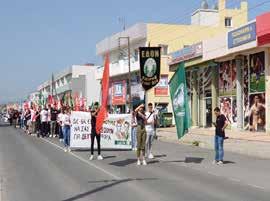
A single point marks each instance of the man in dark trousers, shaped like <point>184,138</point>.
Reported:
<point>221,124</point>
<point>94,134</point>
<point>53,114</point>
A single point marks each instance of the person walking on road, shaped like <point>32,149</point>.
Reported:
<point>141,134</point>
<point>27,120</point>
<point>221,124</point>
<point>15,118</point>
<point>66,129</point>
<point>94,134</point>
<point>44,122</point>
<point>33,120</point>
<point>134,131</point>
<point>150,130</point>
<point>53,115</point>
<point>38,122</point>
<point>60,124</point>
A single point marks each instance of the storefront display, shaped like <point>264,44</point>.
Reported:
<point>257,112</point>
<point>227,78</point>
<point>257,72</point>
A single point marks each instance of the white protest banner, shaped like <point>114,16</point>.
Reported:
<point>116,132</point>
<point>80,133</point>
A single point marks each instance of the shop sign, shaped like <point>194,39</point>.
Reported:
<point>137,92</point>
<point>162,89</point>
<point>149,66</point>
<point>119,93</point>
<point>187,53</point>
<point>242,35</point>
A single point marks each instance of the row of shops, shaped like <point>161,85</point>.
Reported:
<point>230,71</point>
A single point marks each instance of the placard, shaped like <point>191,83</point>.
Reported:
<point>80,133</point>
<point>116,132</point>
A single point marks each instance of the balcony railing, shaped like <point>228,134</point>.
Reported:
<point>118,68</point>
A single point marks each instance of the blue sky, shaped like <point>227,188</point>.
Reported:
<point>39,37</point>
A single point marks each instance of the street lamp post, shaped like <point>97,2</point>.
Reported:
<point>129,71</point>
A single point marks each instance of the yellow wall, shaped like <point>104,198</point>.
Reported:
<point>151,98</point>
<point>239,16</point>
<point>177,36</point>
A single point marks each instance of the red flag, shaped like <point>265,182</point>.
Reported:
<point>50,100</point>
<point>105,92</point>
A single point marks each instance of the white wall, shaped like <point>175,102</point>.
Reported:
<point>119,67</point>
<point>205,17</point>
<point>215,47</point>
<point>92,84</point>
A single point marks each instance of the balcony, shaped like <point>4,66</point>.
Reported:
<point>63,88</point>
<point>118,68</point>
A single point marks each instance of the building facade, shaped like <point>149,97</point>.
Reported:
<point>78,80</point>
<point>233,74</point>
<point>170,37</point>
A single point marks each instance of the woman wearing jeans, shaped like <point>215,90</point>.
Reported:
<point>134,132</point>
<point>66,129</point>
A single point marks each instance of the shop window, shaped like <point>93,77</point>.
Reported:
<point>136,55</point>
<point>164,49</point>
<point>228,22</point>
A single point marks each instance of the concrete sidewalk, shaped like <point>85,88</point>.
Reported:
<point>247,143</point>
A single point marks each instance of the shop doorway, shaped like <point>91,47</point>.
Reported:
<point>208,111</point>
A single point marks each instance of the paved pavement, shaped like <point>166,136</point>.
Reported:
<point>33,169</point>
<point>246,143</point>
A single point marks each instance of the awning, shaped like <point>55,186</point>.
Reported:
<point>263,29</point>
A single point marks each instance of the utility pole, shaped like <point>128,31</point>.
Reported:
<point>122,21</point>
<point>129,73</point>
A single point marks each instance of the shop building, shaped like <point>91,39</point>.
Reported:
<point>205,23</point>
<point>233,74</point>
<point>77,80</point>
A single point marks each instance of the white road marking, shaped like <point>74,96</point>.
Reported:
<point>255,186</point>
<point>216,175</point>
<point>83,160</point>
<point>233,179</point>
<point>116,177</point>
<point>1,188</point>
<point>213,174</point>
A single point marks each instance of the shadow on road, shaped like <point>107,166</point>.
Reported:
<point>4,125</point>
<point>123,163</point>
<point>187,160</point>
<point>228,162</point>
<point>107,157</point>
<point>153,162</point>
<point>115,182</point>
<point>161,156</point>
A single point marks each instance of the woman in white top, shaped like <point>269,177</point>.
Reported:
<point>66,129</point>
<point>44,122</point>
<point>150,130</point>
<point>60,125</point>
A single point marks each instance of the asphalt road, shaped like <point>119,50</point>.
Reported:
<point>33,169</point>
